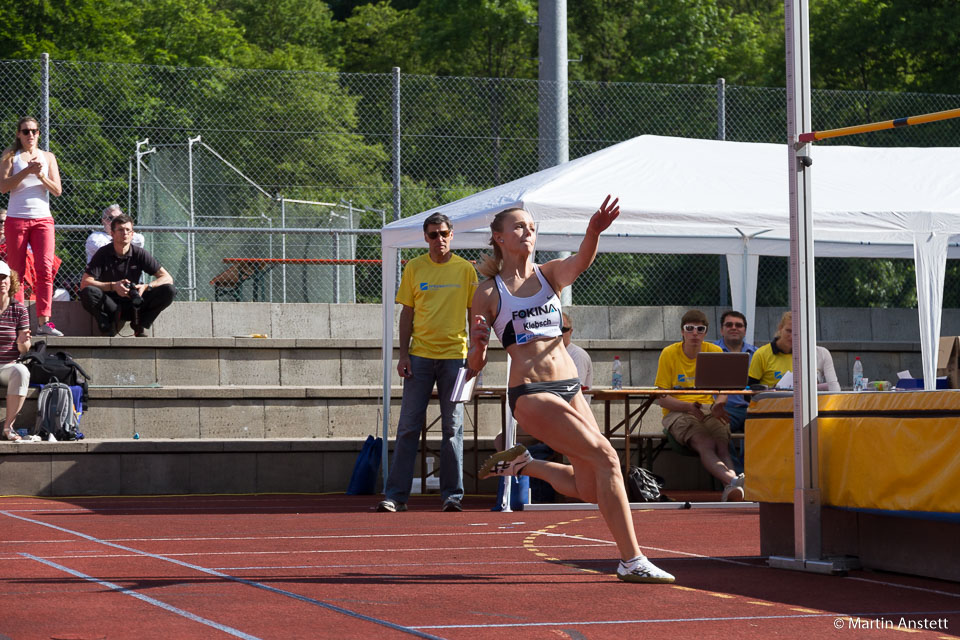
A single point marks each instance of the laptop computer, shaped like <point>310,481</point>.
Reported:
<point>721,370</point>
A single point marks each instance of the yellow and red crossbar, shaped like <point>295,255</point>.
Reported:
<point>878,126</point>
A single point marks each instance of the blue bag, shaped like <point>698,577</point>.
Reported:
<point>519,492</point>
<point>363,481</point>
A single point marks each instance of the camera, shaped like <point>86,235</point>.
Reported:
<point>135,298</point>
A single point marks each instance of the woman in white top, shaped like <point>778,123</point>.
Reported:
<point>30,175</point>
<point>544,392</point>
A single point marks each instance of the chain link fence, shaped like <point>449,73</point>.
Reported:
<point>272,185</point>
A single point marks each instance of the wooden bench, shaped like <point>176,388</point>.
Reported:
<point>651,445</point>
<point>239,270</point>
<point>229,283</point>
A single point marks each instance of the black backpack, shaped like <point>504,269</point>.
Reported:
<point>45,367</point>
<point>644,486</point>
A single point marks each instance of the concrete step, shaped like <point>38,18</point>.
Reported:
<point>249,412</point>
<point>357,362</point>
<point>162,466</point>
<point>330,344</point>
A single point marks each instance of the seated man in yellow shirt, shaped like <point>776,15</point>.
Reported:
<point>775,358</point>
<point>697,422</point>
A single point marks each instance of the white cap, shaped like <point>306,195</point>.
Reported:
<point>4,269</point>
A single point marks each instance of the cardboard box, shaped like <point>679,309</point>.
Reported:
<point>914,384</point>
<point>947,360</point>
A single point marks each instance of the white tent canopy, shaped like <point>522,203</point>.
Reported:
<point>680,195</point>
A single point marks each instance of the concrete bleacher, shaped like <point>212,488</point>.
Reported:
<point>218,411</point>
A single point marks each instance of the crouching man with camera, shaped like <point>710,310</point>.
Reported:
<point>110,289</point>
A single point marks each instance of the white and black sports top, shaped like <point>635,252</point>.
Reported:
<point>522,320</point>
<point>30,198</point>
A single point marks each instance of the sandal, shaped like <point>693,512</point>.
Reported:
<point>11,435</point>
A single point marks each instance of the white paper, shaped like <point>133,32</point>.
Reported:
<point>785,381</point>
<point>903,374</point>
<point>463,388</point>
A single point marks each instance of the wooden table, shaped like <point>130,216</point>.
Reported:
<point>633,417</point>
<point>481,393</point>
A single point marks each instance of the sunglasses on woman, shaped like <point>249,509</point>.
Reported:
<point>442,233</point>
<point>690,328</point>
<point>29,132</point>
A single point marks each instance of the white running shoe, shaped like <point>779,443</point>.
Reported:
<point>48,329</point>
<point>506,463</point>
<point>733,492</point>
<point>642,570</point>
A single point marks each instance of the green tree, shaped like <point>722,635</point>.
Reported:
<point>69,29</point>
<point>487,38</point>
<point>378,37</point>
<point>289,34</point>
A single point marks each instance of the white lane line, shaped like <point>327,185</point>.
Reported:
<point>136,552</point>
<point>661,549</point>
<point>905,586</point>
<point>577,623</point>
<point>226,576</point>
<point>379,565</point>
<point>139,596</point>
<point>459,534</point>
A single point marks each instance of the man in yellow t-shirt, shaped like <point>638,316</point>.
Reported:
<point>436,290</point>
<point>697,421</point>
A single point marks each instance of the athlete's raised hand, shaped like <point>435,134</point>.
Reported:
<point>604,216</point>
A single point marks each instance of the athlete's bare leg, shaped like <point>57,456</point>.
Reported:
<point>571,429</point>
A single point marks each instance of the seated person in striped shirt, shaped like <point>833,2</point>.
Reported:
<point>14,340</point>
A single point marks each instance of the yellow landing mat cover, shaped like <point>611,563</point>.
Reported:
<point>869,460</point>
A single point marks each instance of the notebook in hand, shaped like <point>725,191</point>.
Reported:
<point>463,387</point>
<point>721,370</point>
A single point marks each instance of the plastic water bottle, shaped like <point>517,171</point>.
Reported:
<point>480,378</point>
<point>857,375</point>
<point>617,373</point>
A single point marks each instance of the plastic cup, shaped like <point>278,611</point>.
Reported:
<point>22,433</point>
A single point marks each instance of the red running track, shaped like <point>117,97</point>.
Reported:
<point>327,566</point>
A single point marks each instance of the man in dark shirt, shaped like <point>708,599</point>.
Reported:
<point>110,291</point>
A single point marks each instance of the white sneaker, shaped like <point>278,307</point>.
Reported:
<point>506,463</point>
<point>642,570</point>
<point>48,329</point>
<point>733,492</point>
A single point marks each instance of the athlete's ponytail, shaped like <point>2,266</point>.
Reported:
<point>492,263</point>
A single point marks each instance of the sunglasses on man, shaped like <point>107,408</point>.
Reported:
<point>734,325</point>
<point>691,328</point>
<point>443,233</point>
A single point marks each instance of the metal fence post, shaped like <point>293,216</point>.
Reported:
<point>396,153</point>
<point>45,101</point>
<point>553,95</point>
<point>191,247</point>
<point>283,249</point>
<point>336,268</point>
<point>721,109</point>
<point>722,135</point>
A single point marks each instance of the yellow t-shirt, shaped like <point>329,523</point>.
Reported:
<point>768,367</point>
<point>439,295</point>
<point>676,371</point>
